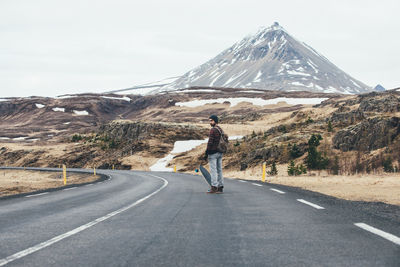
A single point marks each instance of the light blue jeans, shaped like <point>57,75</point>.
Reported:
<point>215,161</point>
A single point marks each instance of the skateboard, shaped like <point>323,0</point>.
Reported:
<point>206,174</point>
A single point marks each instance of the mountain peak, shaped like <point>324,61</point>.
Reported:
<point>274,27</point>
<point>271,59</point>
<point>379,88</point>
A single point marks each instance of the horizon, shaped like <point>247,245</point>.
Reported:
<point>55,49</point>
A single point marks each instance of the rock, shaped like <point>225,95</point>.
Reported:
<point>368,135</point>
<point>380,103</point>
<point>128,132</point>
<point>347,118</point>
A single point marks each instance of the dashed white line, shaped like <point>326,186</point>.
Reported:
<point>242,181</point>
<point>47,243</point>
<point>35,195</point>
<point>311,204</point>
<point>256,184</point>
<point>276,190</point>
<point>89,185</point>
<point>66,189</point>
<point>381,233</point>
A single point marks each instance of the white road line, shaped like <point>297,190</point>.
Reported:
<point>89,185</point>
<point>311,204</point>
<point>276,190</point>
<point>35,195</point>
<point>381,233</point>
<point>242,181</point>
<point>47,243</point>
<point>256,184</point>
<point>66,189</point>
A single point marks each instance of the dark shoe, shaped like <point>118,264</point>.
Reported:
<point>220,189</point>
<point>212,190</point>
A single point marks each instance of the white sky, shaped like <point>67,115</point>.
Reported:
<point>53,47</point>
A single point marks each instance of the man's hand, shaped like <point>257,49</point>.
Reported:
<point>205,155</point>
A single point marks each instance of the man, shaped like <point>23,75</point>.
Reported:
<point>215,157</point>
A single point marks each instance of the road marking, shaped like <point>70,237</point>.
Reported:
<point>381,233</point>
<point>35,195</point>
<point>89,185</point>
<point>276,190</point>
<point>311,204</point>
<point>49,242</point>
<point>242,181</point>
<point>256,184</point>
<point>66,189</point>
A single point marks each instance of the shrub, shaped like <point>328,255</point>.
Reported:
<point>335,166</point>
<point>314,159</point>
<point>294,170</point>
<point>274,170</point>
<point>330,127</point>
<point>387,165</point>
<point>295,152</point>
<point>76,138</point>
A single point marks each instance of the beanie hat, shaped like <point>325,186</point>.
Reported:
<point>214,118</point>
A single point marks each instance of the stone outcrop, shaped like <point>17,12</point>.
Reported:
<point>384,103</point>
<point>128,131</point>
<point>347,118</point>
<point>370,134</point>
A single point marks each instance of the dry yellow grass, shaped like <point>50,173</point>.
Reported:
<point>381,187</point>
<point>140,161</point>
<point>20,181</point>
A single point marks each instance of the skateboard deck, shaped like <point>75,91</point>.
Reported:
<point>206,174</point>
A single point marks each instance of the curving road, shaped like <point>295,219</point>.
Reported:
<point>167,219</point>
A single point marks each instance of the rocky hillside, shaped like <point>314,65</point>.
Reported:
<point>358,134</point>
<point>46,119</point>
<point>124,144</point>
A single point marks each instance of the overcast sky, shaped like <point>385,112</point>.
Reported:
<point>54,47</point>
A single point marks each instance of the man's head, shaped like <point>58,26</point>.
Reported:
<point>213,120</point>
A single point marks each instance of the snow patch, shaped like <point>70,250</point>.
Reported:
<point>81,112</point>
<point>20,138</point>
<point>257,78</point>
<point>199,90</point>
<point>40,105</point>
<point>254,101</point>
<point>331,89</point>
<point>293,72</point>
<point>250,91</point>
<point>312,65</point>
<point>59,109</point>
<point>234,77</point>
<point>355,84</point>
<point>216,78</point>
<point>180,147</point>
<point>125,98</point>
<point>298,84</point>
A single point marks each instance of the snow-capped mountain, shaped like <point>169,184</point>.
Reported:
<point>271,59</point>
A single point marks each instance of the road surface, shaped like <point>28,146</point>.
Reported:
<point>167,219</point>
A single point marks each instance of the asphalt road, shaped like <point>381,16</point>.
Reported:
<point>167,219</point>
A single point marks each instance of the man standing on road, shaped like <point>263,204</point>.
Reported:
<point>215,157</point>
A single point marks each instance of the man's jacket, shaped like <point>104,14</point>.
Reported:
<point>213,141</point>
